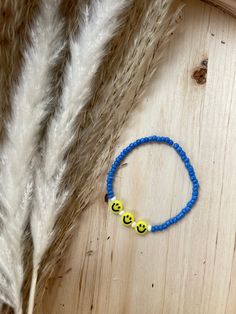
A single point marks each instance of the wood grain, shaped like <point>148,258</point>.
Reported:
<point>227,5</point>
<point>191,268</point>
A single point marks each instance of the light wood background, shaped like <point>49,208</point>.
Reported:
<point>227,5</point>
<point>191,268</point>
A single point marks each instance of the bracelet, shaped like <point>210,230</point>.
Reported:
<point>117,207</point>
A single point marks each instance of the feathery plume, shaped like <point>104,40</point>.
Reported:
<point>87,50</point>
<point>16,180</point>
<point>122,91</point>
<point>16,18</point>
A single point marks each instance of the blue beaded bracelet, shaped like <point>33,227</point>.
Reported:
<point>116,206</point>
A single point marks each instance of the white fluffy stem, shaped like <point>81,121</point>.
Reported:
<point>32,290</point>
<point>16,180</point>
<point>87,50</point>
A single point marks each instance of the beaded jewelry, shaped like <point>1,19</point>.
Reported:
<point>116,206</point>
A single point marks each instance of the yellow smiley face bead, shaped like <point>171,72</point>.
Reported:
<point>141,227</point>
<point>127,219</point>
<point>116,206</point>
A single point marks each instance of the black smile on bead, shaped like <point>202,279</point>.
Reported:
<point>127,223</point>
<point>140,230</point>
<point>114,210</point>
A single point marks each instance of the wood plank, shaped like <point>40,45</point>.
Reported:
<point>228,6</point>
<point>191,268</point>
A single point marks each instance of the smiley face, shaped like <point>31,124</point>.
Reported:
<point>127,219</point>
<point>141,227</point>
<point>116,206</point>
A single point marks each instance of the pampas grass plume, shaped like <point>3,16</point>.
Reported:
<point>100,22</point>
<point>122,91</point>
<point>17,154</point>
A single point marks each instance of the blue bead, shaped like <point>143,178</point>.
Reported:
<point>177,218</point>
<point>187,209</point>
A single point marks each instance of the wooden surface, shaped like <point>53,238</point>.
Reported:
<point>227,5</point>
<point>191,268</point>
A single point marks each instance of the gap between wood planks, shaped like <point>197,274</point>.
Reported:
<point>228,6</point>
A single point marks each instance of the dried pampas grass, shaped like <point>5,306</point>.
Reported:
<point>121,86</point>
<point>72,163</point>
<point>16,18</point>
<point>87,50</point>
<point>17,155</point>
